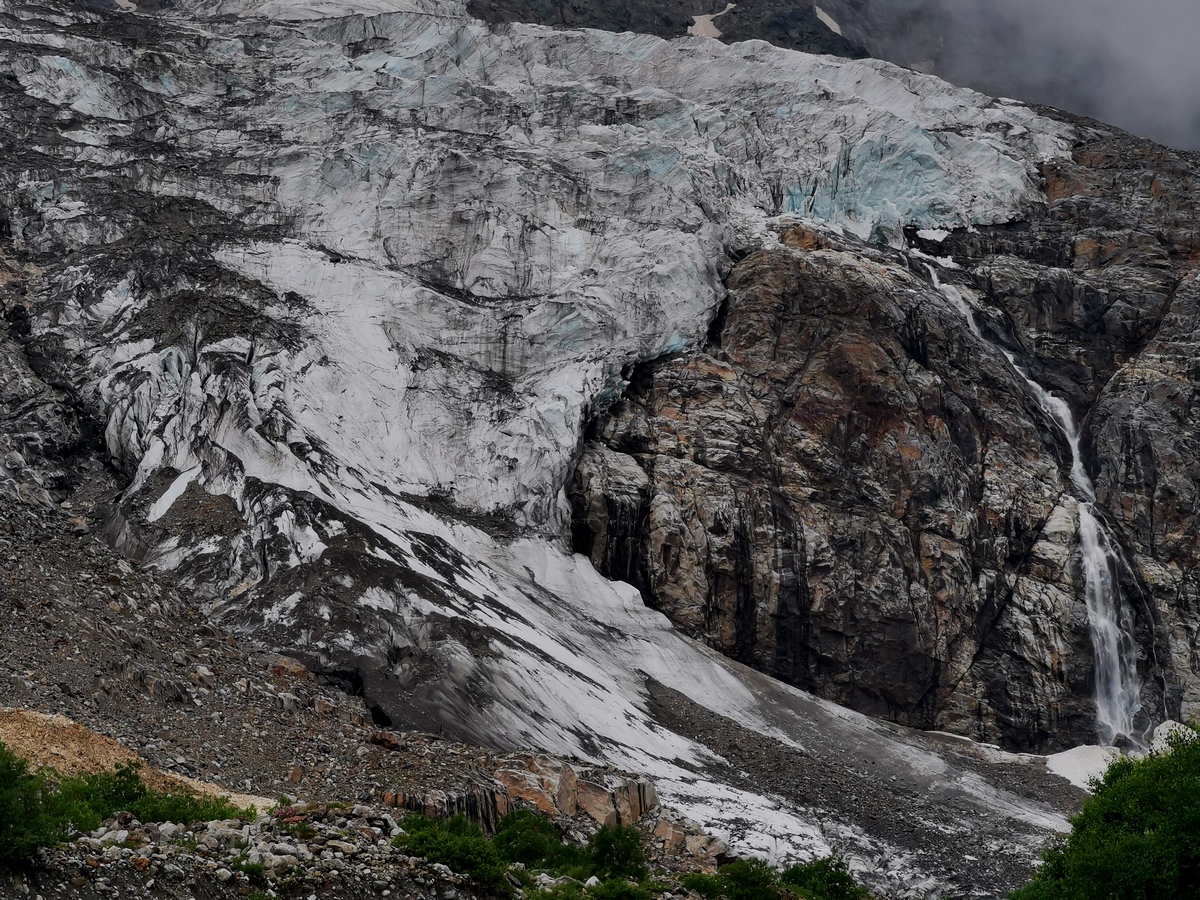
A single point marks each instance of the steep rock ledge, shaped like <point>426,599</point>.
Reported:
<point>850,490</point>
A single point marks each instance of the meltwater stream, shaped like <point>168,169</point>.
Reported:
<point>1117,687</point>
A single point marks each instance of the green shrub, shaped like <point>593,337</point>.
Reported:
<point>525,837</point>
<point>1136,838</point>
<point>616,852</point>
<point>612,854</point>
<point>458,844</point>
<point>618,889</point>
<point>85,801</point>
<point>824,879</point>
<point>746,879</point>
<point>750,879</point>
<point>708,886</point>
<point>754,879</point>
<point>613,889</point>
<point>24,824</point>
<point>571,890</point>
<point>37,810</point>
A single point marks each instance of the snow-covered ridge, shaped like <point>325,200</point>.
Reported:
<point>440,245</point>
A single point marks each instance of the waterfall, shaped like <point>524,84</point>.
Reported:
<point>1117,686</point>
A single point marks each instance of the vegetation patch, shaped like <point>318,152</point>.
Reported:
<point>613,857</point>
<point>38,809</point>
<point>1138,835</point>
<point>753,879</point>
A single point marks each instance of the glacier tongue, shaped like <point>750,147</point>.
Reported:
<point>363,268</point>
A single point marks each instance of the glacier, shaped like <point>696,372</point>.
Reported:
<point>356,273</point>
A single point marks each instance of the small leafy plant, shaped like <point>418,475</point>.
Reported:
<point>753,879</point>
<point>613,855</point>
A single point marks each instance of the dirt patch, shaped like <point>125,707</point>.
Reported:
<point>51,741</point>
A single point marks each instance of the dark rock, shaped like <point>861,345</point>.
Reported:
<point>784,23</point>
<point>851,491</point>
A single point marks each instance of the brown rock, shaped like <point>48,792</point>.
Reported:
<point>597,801</point>
<point>386,740</point>
<point>286,667</point>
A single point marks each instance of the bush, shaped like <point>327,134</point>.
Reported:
<point>616,852</point>
<point>182,808</point>
<point>750,879</point>
<point>37,810</point>
<point>1137,837</point>
<point>532,840</point>
<point>824,879</point>
<point>24,825</point>
<point>618,889</point>
<point>612,854</point>
<point>754,879</point>
<point>746,879</point>
<point>708,886</point>
<point>458,844</point>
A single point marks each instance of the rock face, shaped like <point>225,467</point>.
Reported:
<point>39,429</point>
<point>853,490</point>
<point>785,23</point>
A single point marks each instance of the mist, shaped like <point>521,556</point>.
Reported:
<point>1131,63</point>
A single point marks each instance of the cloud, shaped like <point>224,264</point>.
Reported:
<point>1133,63</point>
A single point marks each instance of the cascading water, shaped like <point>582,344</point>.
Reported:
<point>1117,686</point>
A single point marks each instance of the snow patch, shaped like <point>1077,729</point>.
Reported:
<point>937,235</point>
<point>827,20</point>
<point>1080,765</point>
<point>702,26</point>
<point>173,492</point>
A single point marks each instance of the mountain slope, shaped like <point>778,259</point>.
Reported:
<point>340,285</point>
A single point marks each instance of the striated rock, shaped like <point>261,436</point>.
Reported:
<point>551,786</point>
<point>851,489</point>
<point>852,492</point>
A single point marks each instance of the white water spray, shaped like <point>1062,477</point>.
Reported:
<point>1118,689</point>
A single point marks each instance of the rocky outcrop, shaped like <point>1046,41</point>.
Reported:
<point>851,492</point>
<point>784,23</point>
<point>552,786</point>
<point>852,489</point>
<point>40,430</point>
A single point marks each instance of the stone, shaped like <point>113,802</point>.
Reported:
<point>386,740</point>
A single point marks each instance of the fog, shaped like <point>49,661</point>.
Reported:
<point>1133,63</point>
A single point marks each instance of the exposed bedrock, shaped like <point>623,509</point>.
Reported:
<point>785,23</point>
<point>850,490</point>
<point>1147,452</point>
